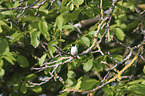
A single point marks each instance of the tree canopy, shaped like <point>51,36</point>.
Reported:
<point>35,40</point>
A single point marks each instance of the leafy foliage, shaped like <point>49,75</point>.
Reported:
<point>35,40</point>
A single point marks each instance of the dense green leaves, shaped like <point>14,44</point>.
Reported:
<point>30,28</point>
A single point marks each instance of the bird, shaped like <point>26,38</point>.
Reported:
<point>74,49</point>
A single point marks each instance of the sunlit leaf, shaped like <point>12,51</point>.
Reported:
<point>78,2</point>
<point>144,69</point>
<point>70,81</point>
<point>9,60</point>
<point>59,22</point>
<point>78,85</point>
<point>71,74</point>
<point>2,72</point>
<point>43,27</point>
<point>34,38</point>
<point>30,77</point>
<point>37,89</point>
<point>42,59</point>
<point>88,65</point>
<point>71,6</point>
<point>120,34</point>
<point>17,36</point>
<point>1,63</point>
<point>51,47</point>
<point>85,41</point>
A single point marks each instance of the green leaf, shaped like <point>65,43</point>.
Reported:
<point>3,45</point>
<point>9,57</point>
<point>64,9</point>
<point>9,60</point>
<point>30,77</point>
<point>68,27</point>
<point>3,25</point>
<point>43,27</point>
<point>70,82</point>
<point>7,12</point>
<point>1,29</point>
<point>42,59</point>
<point>120,34</point>
<point>23,88</point>
<point>98,65</point>
<point>138,89</point>
<point>78,2</point>
<point>2,72</point>
<point>52,48</point>
<point>16,4</point>
<point>122,7</point>
<point>64,2</point>
<point>72,16</point>
<point>37,89</point>
<point>115,49</point>
<point>34,38</point>
<point>71,74</point>
<point>63,93</point>
<point>1,63</point>
<point>88,83</point>
<point>129,5</point>
<point>89,12</point>
<point>107,90</point>
<point>22,61</point>
<point>118,57</point>
<point>59,22</point>
<point>85,41</point>
<point>144,69</point>
<point>71,6</point>
<point>78,85</point>
<point>88,65</point>
<point>17,36</point>
<point>135,82</point>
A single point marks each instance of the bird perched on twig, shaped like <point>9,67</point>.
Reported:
<point>74,49</point>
